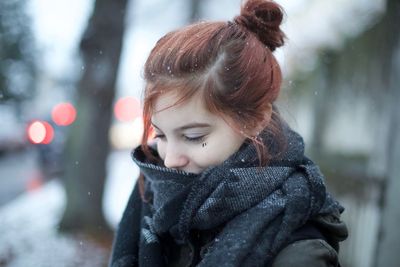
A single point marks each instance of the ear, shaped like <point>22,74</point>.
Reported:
<point>263,123</point>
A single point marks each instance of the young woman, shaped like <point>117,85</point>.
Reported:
<point>226,181</point>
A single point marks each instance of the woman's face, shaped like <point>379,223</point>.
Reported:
<point>189,137</point>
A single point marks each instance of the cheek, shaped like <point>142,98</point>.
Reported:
<point>161,149</point>
<point>221,149</point>
<point>214,153</point>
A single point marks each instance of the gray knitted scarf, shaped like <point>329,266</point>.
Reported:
<point>259,206</point>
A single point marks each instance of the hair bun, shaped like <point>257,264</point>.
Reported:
<point>263,18</point>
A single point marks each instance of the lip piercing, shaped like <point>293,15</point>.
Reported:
<point>204,144</point>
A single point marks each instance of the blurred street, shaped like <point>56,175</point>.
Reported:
<point>19,172</point>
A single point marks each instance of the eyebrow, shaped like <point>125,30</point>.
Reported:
<point>187,126</point>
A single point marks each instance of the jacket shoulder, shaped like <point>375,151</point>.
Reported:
<point>309,252</point>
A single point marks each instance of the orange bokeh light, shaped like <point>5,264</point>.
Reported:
<point>127,109</point>
<point>63,114</point>
<point>40,132</point>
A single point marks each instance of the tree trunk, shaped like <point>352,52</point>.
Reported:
<point>194,10</point>
<point>88,145</point>
<point>389,243</point>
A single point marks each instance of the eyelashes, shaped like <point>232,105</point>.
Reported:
<point>190,139</point>
<point>159,136</point>
<point>196,139</point>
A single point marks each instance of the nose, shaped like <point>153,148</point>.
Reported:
<point>174,158</point>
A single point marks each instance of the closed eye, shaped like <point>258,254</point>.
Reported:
<point>194,139</point>
<point>159,136</point>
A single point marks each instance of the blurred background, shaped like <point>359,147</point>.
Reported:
<point>70,113</point>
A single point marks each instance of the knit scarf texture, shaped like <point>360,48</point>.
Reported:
<point>260,207</point>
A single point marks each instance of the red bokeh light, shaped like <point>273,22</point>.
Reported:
<point>34,183</point>
<point>40,132</point>
<point>63,114</point>
<point>127,109</point>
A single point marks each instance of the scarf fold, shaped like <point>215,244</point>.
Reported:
<point>260,207</point>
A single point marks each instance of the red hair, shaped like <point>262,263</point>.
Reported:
<point>229,64</point>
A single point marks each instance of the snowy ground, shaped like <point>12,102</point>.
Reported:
<point>28,224</point>
<point>28,233</point>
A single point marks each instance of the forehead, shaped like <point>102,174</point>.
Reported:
<point>167,111</point>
